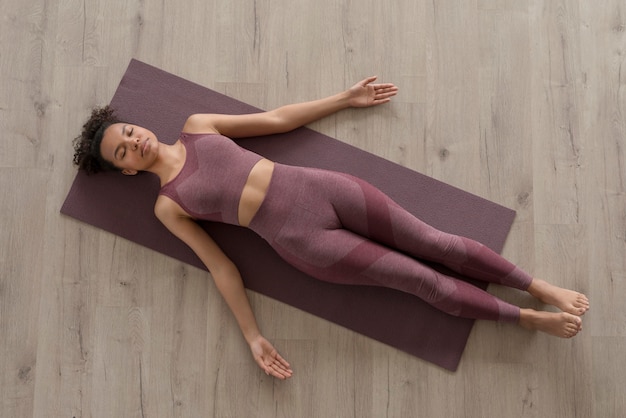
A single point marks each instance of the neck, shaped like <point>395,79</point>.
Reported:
<point>168,161</point>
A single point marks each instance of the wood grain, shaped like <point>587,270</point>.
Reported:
<point>521,102</point>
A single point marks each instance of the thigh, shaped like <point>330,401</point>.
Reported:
<point>365,210</point>
<point>316,244</point>
<point>341,256</point>
<point>330,216</point>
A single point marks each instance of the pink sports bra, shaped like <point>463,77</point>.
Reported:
<point>210,184</point>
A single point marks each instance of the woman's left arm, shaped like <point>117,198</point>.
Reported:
<point>286,118</point>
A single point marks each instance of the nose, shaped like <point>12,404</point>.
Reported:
<point>133,142</point>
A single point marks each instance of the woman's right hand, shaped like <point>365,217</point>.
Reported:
<point>268,358</point>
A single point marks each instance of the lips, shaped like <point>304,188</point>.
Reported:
<point>144,147</point>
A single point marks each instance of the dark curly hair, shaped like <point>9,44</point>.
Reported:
<point>87,154</point>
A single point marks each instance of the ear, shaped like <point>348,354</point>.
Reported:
<point>129,172</point>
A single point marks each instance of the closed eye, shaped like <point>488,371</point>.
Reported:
<point>123,153</point>
<point>120,152</point>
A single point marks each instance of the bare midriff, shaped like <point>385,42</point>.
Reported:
<point>254,191</point>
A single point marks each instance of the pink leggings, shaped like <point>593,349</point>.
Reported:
<point>341,229</point>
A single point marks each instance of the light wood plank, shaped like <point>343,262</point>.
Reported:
<point>555,49</point>
<point>19,291</point>
<point>522,102</point>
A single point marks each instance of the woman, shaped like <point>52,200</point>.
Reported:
<point>333,226</point>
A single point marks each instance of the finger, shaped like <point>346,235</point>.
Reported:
<point>369,80</point>
<point>263,366</point>
<point>280,366</point>
<point>386,93</point>
<point>282,369</point>
<point>282,360</point>
<point>385,86</point>
<point>383,98</point>
<point>379,88</point>
<point>279,372</point>
<point>280,376</point>
<point>274,359</point>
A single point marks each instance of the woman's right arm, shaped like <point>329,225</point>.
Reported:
<point>228,281</point>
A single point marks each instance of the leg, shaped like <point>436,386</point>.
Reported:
<point>302,205</point>
<point>381,219</point>
<point>340,256</point>
<point>364,209</point>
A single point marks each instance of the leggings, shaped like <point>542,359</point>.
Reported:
<point>341,229</point>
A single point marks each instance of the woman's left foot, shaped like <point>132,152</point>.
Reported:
<point>566,300</point>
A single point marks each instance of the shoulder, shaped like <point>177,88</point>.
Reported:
<point>191,233</point>
<point>201,123</point>
<point>166,210</point>
<point>176,220</point>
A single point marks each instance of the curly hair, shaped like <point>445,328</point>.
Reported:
<point>87,154</point>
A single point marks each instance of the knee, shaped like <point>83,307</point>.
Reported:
<point>451,247</point>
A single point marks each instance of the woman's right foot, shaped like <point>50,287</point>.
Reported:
<point>561,324</point>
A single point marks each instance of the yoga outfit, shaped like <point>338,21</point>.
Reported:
<point>341,229</point>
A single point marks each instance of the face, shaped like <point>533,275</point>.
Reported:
<point>130,148</point>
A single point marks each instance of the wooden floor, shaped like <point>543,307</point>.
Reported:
<point>521,102</point>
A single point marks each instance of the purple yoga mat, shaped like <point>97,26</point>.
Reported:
<point>123,205</point>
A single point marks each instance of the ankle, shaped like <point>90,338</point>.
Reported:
<point>537,288</point>
<point>527,318</point>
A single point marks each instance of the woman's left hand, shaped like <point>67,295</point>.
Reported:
<point>365,94</point>
<point>268,358</point>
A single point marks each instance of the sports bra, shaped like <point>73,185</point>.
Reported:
<point>210,184</point>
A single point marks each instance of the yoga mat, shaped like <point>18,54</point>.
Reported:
<point>123,205</point>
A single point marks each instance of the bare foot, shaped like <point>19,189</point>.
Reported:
<point>561,324</point>
<point>566,300</point>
